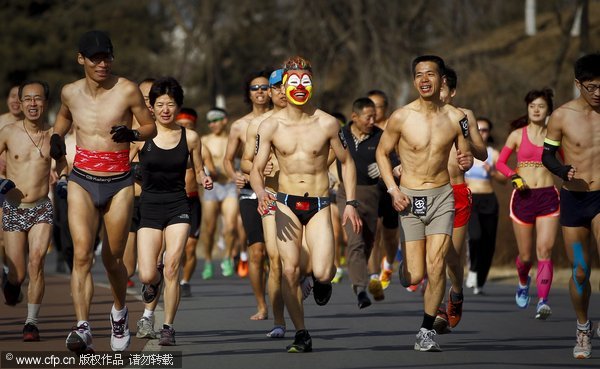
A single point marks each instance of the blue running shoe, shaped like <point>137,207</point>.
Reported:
<point>522,296</point>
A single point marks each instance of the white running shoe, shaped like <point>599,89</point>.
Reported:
<point>80,339</point>
<point>145,328</point>
<point>425,341</point>
<point>543,310</point>
<point>583,348</point>
<point>471,281</point>
<point>120,338</point>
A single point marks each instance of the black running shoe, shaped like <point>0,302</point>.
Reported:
<point>31,333</point>
<point>363,300</point>
<point>12,293</point>
<point>302,342</point>
<point>321,292</point>
<point>151,291</point>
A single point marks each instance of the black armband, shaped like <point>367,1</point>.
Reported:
<point>464,126</point>
<point>552,163</point>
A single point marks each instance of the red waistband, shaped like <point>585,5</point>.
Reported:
<point>102,161</point>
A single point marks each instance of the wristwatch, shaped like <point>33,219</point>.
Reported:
<point>353,203</point>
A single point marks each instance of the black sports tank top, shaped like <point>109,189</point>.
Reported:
<point>164,170</point>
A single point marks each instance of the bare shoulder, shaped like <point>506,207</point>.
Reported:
<point>454,113</point>
<point>327,121</point>
<point>8,129</point>
<point>399,116</point>
<point>191,135</point>
<point>71,89</point>
<point>127,87</point>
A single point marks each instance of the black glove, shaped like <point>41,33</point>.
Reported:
<point>136,169</point>
<point>57,147</point>
<point>61,187</point>
<point>124,134</point>
<point>6,185</point>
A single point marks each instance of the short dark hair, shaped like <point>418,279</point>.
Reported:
<point>362,102</point>
<point>379,93</point>
<point>166,86</point>
<point>44,85</point>
<point>430,58</point>
<point>546,93</point>
<point>587,67</point>
<point>147,80</point>
<point>490,139</point>
<point>451,78</point>
<point>266,73</point>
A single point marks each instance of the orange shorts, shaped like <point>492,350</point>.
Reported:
<point>462,204</point>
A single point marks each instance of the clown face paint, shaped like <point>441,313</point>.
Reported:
<point>298,87</point>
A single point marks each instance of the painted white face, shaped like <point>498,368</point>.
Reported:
<point>298,86</point>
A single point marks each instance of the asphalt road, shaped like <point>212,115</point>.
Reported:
<point>214,330</point>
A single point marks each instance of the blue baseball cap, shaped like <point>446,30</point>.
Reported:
<point>276,77</point>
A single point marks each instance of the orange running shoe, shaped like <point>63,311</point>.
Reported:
<point>242,269</point>
<point>454,309</point>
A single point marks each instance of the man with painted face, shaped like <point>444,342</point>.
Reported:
<point>301,136</point>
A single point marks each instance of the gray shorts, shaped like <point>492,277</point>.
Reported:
<point>430,212</point>
<point>220,192</point>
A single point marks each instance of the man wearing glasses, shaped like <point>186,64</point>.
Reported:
<point>576,127</point>
<point>102,106</point>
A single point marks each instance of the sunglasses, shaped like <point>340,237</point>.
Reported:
<point>259,87</point>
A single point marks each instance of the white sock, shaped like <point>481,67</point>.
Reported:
<point>118,314</point>
<point>79,323</point>
<point>148,313</point>
<point>183,281</point>
<point>33,310</point>
<point>386,265</point>
<point>243,256</point>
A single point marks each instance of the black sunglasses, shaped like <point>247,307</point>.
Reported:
<point>257,87</point>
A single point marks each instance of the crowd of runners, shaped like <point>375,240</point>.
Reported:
<point>296,197</point>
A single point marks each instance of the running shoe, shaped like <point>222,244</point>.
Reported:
<point>321,292</point>
<point>425,341</point>
<point>376,289</point>
<point>278,331</point>
<point>130,283</point>
<point>363,300</point>
<point>385,277</point>
<point>151,291</point>
<point>207,273</point>
<point>12,293</point>
<point>440,325</point>
<point>227,267</point>
<point>242,269</point>
<point>412,288</point>
<point>306,285</point>
<point>471,281</point>
<point>31,333</point>
<point>145,328</point>
<point>454,308</point>
<point>339,273</point>
<point>80,339</point>
<point>543,310</point>
<point>167,336</point>
<point>522,296</point>
<point>186,289</point>
<point>302,342</point>
<point>477,290</point>
<point>120,338</point>
<point>583,348</point>
<point>403,281</point>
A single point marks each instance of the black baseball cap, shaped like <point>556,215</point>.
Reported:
<point>95,42</point>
